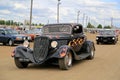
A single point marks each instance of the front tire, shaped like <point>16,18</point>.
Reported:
<point>20,64</point>
<point>98,42</point>
<point>66,62</point>
<point>114,42</point>
<point>92,53</point>
<point>10,42</point>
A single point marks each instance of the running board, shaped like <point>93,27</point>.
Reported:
<point>82,56</point>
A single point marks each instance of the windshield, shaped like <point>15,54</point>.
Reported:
<point>107,32</point>
<point>56,29</point>
<point>10,31</point>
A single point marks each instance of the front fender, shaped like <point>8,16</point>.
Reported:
<point>62,51</point>
<point>23,53</point>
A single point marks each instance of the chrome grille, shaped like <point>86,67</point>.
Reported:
<point>40,48</point>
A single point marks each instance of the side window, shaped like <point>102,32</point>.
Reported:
<point>77,29</point>
<point>1,31</point>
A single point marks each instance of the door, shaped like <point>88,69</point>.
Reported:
<point>3,36</point>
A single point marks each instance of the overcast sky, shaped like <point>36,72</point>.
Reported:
<point>45,11</point>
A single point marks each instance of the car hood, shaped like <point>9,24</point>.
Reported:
<point>106,35</point>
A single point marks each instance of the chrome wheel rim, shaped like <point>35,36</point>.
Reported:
<point>92,53</point>
<point>10,42</point>
<point>68,59</point>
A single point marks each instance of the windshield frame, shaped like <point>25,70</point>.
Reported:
<point>57,26</point>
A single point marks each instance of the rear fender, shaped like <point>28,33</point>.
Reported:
<point>85,47</point>
<point>91,44</point>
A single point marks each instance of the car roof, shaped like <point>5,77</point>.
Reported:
<point>72,24</point>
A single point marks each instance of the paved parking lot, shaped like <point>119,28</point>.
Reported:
<point>105,66</point>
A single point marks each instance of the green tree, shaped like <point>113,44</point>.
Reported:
<point>90,25</point>
<point>36,24</point>
<point>33,24</point>
<point>15,23</point>
<point>21,23</point>
<point>11,22</point>
<point>99,26</point>
<point>7,22</point>
<point>2,22</point>
<point>107,27</point>
<point>41,24</point>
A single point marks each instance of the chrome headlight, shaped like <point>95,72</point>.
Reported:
<point>113,38</point>
<point>24,38</point>
<point>54,44</point>
<point>26,43</point>
<point>29,38</point>
<point>96,38</point>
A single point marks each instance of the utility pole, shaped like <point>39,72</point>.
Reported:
<point>111,22</point>
<point>83,18</point>
<point>31,14</point>
<point>86,21</point>
<point>78,13</point>
<point>58,11</point>
<point>48,21</point>
<point>104,23</point>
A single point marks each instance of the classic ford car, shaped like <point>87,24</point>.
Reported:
<point>107,36</point>
<point>59,44</point>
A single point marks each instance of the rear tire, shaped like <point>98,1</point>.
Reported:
<point>66,62</point>
<point>20,64</point>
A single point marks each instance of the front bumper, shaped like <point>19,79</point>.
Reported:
<point>106,40</point>
<point>19,41</point>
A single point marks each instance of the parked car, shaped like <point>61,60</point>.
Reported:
<point>107,36</point>
<point>59,44</point>
<point>11,37</point>
<point>33,33</point>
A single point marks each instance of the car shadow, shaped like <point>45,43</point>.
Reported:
<point>43,67</point>
<point>52,66</point>
<point>106,44</point>
<point>75,63</point>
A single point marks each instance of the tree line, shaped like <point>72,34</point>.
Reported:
<point>14,23</point>
<point>99,26</point>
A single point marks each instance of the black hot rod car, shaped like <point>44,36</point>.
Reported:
<point>59,43</point>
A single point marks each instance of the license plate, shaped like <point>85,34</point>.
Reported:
<point>105,40</point>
